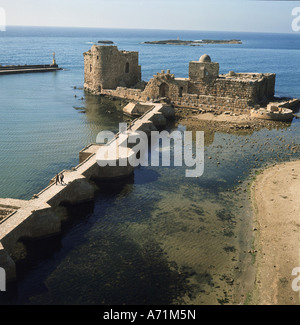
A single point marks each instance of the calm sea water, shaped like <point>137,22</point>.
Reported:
<point>158,238</point>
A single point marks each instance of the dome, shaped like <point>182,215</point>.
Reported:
<point>205,58</point>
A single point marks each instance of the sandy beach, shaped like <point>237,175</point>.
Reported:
<point>275,195</point>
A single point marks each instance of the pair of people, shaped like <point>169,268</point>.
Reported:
<point>59,179</point>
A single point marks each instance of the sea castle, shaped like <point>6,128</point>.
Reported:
<point>109,71</point>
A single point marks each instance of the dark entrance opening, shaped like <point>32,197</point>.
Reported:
<point>163,90</point>
<point>180,91</point>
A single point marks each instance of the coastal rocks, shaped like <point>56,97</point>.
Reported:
<point>229,280</point>
<point>240,127</point>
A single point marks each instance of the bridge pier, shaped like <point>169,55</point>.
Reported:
<point>7,263</point>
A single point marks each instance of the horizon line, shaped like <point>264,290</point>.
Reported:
<point>151,29</point>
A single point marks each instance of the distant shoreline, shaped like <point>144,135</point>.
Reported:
<point>193,43</point>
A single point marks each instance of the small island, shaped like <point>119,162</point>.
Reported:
<point>105,42</point>
<point>194,43</point>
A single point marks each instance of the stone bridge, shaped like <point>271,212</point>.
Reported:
<point>36,218</point>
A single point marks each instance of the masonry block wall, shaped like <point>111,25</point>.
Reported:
<point>203,71</point>
<point>253,90</point>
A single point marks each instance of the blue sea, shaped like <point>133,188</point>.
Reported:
<point>158,238</point>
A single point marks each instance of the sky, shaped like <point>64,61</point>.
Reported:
<point>214,15</point>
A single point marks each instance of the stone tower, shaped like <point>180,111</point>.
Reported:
<point>204,69</point>
<point>105,67</point>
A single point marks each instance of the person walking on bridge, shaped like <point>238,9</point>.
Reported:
<point>57,179</point>
<point>61,178</point>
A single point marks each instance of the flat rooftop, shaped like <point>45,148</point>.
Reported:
<point>244,76</point>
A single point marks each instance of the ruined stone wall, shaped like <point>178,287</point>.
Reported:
<point>242,90</point>
<point>123,92</point>
<point>211,103</point>
<point>165,85</point>
<point>236,97</point>
<point>269,87</point>
<point>162,85</point>
<point>254,91</point>
<point>105,67</point>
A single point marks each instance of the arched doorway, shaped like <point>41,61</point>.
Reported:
<point>163,90</point>
<point>180,91</point>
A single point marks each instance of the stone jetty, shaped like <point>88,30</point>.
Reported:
<point>15,69</point>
